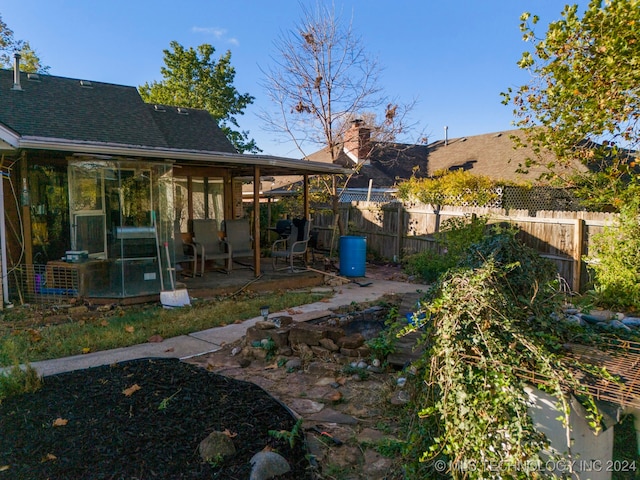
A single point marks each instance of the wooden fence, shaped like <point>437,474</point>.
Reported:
<point>395,230</point>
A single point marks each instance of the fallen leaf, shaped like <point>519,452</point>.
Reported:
<point>34,335</point>
<point>229,434</point>
<point>86,350</point>
<point>104,323</point>
<point>273,366</point>
<point>129,329</point>
<point>155,339</point>
<point>131,390</point>
<point>169,350</point>
<point>60,422</point>
<point>49,457</point>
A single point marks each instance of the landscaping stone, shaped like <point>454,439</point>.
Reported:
<point>264,325</point>
<point>352,341</point>
<point>329,344</point>
<point>266,464</point>
<point>294,364</point>
<point>375,466</point>
<point>631,321</point>
<point>400,397</point>
<point>328,415</point>
<point>306,333</point>
<point>305,406</point>
<point>216,446</point>
<point>370,435</point>
<point>321,352</point>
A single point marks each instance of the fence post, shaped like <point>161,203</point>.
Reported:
<point>578,235</point>
<point>436,212</point>
<point>399,230</point>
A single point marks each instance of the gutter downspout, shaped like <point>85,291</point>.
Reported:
<point>3,244</point>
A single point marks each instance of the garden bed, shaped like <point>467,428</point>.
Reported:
<point>141,419</point>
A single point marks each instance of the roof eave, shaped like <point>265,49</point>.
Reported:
<point>42,143</point>
<point>8,139</point>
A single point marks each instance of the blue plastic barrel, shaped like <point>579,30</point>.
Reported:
<point>353,254</point>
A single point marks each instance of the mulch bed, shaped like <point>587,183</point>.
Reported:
<point>153,432</point>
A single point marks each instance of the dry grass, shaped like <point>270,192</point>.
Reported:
<point>34,339</point>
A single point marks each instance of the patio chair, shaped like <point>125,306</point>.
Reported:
<point>184,252</point>
<point>209,244</point>
<point>295,245</point>
<point>239,239</point>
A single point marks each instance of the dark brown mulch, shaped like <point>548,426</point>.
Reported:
<point>109,435</point>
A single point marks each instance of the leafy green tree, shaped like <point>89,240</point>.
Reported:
<point>192,79</point>
<point>583,100</point>
<point>29,61</point>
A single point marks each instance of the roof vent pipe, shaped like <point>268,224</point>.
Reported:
<point>446,135</point>
<point>16,72</point>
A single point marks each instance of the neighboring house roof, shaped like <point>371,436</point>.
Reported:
<point>48,112</point>
<point>385,163</point>
<point>493,155</point>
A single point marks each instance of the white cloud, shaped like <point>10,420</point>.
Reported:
<point>218,33</point>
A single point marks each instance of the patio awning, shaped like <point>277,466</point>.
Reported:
<point>240,164</point>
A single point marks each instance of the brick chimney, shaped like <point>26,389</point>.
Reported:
<point>357,141</point>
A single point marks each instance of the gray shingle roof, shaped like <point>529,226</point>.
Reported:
<point>190,129</point>
<point>63,108</point>
<point>492,155</point>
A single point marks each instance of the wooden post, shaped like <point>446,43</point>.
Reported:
<point>578,235</point>
<point>228,196</point>
<point>256,220</point>
<point>190,200</point>
<point>305,199</point>
<point>399,230</point>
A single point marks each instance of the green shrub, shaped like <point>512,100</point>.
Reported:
<point>385,342</point>
<point>453,240</point>
<point>15,380</point>
<point>458,187</point>
<point>615,262</point>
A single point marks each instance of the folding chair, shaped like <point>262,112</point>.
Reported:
<point>295,245</point>
<point>239,239</point>
<point>209,244</point>
<point>184,252</point>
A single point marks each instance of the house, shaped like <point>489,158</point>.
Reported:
<point>90,170</point>
<point>380,165</point>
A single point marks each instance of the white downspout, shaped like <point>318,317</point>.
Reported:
<point>3,248</point>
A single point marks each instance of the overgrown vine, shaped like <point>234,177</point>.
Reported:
<point>490,325</point>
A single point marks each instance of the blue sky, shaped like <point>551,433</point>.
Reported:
<point>454,57</point>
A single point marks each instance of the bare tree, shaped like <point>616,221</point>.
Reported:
<point>321,80</point>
